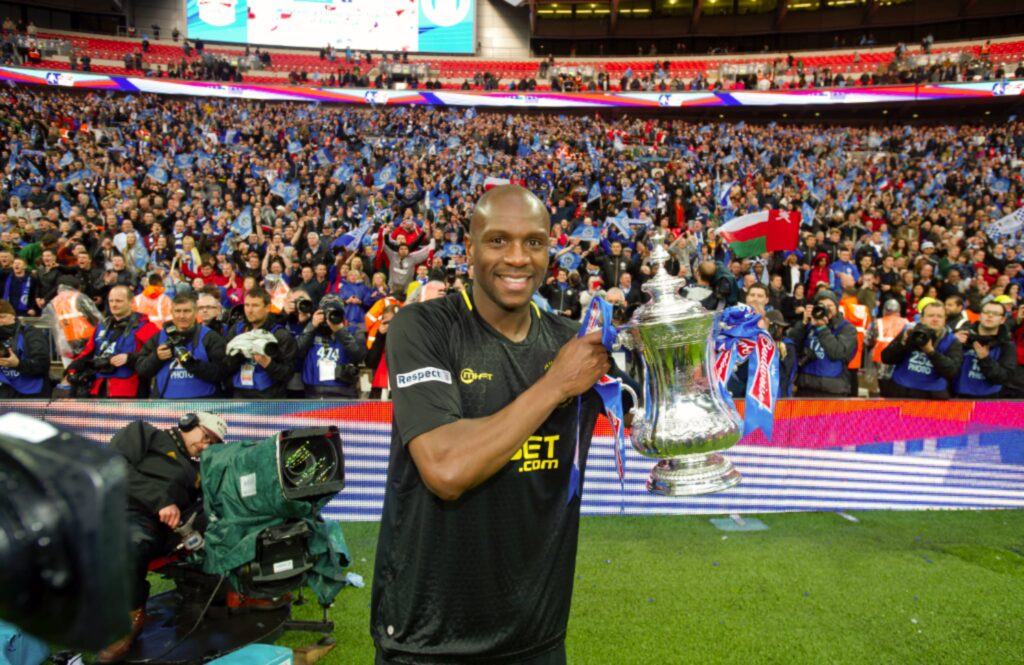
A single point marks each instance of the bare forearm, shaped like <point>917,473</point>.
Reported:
<point>457,457</point>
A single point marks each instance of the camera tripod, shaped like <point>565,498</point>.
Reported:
<point>194,623</point>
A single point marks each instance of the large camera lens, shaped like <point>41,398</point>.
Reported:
<point>336,316</point>
<point>304,306</point>
<point>63,536</point>
<point>819,312</point>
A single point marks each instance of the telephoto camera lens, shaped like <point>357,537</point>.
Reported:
<point>304,306</point>
<point>336,316</point>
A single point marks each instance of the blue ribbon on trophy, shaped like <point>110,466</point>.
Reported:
<point>609,389</point>
<point>737,337</point>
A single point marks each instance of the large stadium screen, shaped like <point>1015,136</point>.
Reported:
<point>423,26</point>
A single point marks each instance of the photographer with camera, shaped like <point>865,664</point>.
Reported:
<point>261,351</point>
<point>827,343</point>
<point>990,357</point>
<point>331,352</point>
<point>926,358</point>
<point>163,491</point>
<point>106,367</point>
<point>24,357</point>
<point>186,359</point>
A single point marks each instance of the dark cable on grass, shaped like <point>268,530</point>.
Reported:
<point>191,630</point>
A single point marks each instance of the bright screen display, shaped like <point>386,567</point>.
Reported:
<point>415,26</point>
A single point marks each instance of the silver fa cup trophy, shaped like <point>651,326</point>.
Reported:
<point>683,421</point>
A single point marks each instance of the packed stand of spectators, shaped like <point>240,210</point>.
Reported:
<point>258,250</point>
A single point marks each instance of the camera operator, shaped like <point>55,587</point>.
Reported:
<point>990,357</point>
<point>106,367</point>
<point>299,310</point>
<point>926,357</point>
<point>331,352</point>
<point>827,343</point>
<point>263,372</point>
<point>186,359</point>
<point>163,489</point>
<point>24,357</point>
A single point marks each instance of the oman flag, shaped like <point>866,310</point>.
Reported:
<point>490,183</point>
<point>760,232</point>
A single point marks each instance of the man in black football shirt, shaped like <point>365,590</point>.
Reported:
<point>478,538</point>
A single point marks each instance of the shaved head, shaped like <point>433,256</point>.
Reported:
<point>513,201</point>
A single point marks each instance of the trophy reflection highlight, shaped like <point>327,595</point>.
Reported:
<point>682,421</point>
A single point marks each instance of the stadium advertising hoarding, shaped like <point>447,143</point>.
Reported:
<point>932,92</point>
<point>825,455</point>
<point>415,26</point>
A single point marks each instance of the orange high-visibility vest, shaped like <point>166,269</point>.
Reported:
<point>372,318</point>
<point>75,325</point>
<point>889,328</point>
<point>859,316</point>
<point>157,309</point>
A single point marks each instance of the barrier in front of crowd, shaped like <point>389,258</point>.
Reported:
<point>825,456</point>
<point>924,92</point>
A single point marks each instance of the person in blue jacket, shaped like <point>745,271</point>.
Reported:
<point>926,358</point>
<point>24,357</point>
<point>990,356</point>
<point>185,359</point>
<point>331,351</point>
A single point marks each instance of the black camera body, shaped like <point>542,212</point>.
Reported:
<point>985,340</point>
<point>102,364</point>
<point>920,335</point>
<point>335,316</point>
<point>178,341</point>
<point>346,373</point>
<point>6,348</point>
<point>64,508</point>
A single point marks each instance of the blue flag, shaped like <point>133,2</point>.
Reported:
<point>127,183</point>
<point>628,194</point>
<point>587,233</point>
<point>342,174</point>
<point>157,173</point>
<point>183,161</point>
<point>387,174</point>
<point>595,192</point>
<point>242,226</point>
<point>808,213</point>
<point>323,157</point>
<point>65,160</point>
<point>294,147</point>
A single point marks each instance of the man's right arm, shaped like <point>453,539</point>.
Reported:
<point>459,453</point>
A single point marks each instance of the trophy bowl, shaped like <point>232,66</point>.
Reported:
<point>681,421</point>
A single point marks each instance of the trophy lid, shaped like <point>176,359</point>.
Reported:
<point>665,304</point>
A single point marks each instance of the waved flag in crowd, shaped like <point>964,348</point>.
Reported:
<point>760,232</point>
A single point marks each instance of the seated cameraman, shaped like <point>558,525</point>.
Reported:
<point>186,358</point>
<point>926,358</point>
<point>331,352</point>
<point>163,486</point>
<point>826,343</point>
<point>260,371</point>
<point>990,356</point>
<point>106,367</point>
<point>24,357</point>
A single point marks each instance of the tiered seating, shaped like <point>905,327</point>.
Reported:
<point>108,53</point>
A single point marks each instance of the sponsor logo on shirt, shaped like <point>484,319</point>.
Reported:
<point>468,376</point>
<point>537,454</point>
<point>423,374</point>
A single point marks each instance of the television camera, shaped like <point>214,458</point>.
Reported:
<point>260,535</point>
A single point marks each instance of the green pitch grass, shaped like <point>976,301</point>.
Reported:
<point>896,587</point>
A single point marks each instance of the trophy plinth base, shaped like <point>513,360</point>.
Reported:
<point>693,474</point>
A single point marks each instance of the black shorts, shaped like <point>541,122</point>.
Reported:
<point>555,656</point>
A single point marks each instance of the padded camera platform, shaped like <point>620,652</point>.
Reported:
<point>165,637</point>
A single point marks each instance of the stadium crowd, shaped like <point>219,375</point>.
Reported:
<point>189,248</point>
